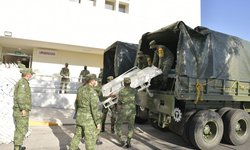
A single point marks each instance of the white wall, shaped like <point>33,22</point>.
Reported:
<point>63,21</point>
<point>67,22</point>
<point>52,64</point>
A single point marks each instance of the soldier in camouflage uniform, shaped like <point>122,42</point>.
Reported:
<point>143,60</point>
<point>83,74</point>
<point>163,59</point>
<point>126,112</point>
<point>88,117</point>
<point>113,110</point>
<point>20,64</point>
<point>22,107</point>
<point>65,78</point>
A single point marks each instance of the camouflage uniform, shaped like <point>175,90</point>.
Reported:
<point>87,117</point>
<point>20,65</point>
<point>83,75</point>
<point>22,101</point>
<point>65,78</point>
<point>126,111</point>
<point>163,59</point>
<point>113,110</point>
<point>142,60</point>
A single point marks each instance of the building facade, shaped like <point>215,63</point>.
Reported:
<point>45,34</point>
<point>52,32</point>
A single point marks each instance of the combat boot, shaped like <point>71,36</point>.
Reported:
<point>124,144</point>
<point>23,148</point>
<point>128,143</point>
<point>98,142</point>
<point>112,129</point>
<point>103,127</point>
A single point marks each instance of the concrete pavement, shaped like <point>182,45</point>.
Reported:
<point>53,129</point>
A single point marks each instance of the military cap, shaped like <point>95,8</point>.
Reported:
<point>152,43</point>
<point>90,77</point>
<point>126,80</point>
<point>26,71</point>
<point>109,78</point>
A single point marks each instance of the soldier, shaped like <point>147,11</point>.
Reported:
<point>65,78</point>
<point>22,107</point>
<point>143,60</point>
<point>113,110</point>
<point>20,64</point>
<point>126,112</point>
<point>100,74</point>
<point>99,92</point>
<point>163,59</point>
<point>88,117</point>
<point>83,75</point>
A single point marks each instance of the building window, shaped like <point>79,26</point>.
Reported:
<point>123,7</point>
<point>109,4</point>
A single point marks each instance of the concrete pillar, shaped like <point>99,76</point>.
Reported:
<point>117,5</point>
<point>100,4</point>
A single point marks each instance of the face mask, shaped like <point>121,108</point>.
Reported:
<point>95,83</point>
<point>31,77</point>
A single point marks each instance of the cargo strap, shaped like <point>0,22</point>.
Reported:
<point>199,92</point>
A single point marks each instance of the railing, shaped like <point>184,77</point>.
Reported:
<point>52,84</point>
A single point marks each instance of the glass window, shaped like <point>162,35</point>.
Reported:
<point>123,8</point>
<point>110,5</point>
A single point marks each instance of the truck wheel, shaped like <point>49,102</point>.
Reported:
<point>206,129</point>
<point>222,111</point>
<point>141,115</point>
<point>187,119</point>
<point>236,127</point>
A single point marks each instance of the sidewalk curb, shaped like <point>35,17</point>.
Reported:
<point>48,123</point>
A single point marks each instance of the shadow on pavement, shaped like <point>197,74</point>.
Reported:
<point>63,138</point>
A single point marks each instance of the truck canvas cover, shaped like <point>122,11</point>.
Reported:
<point>202,53</point>
<point>118,58</point>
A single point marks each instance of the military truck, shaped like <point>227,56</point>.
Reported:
<point>118,58</point>
<point>207,98</point>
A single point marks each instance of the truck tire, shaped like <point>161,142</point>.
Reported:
<point>141,115</point>
<point>222,111</point>
<point>236,127</point>
<point>187,120</point>
<point>206,129</point>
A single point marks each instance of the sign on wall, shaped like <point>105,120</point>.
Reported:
<point>46,52</point>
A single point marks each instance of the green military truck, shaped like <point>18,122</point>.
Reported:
<point>207,98</point>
